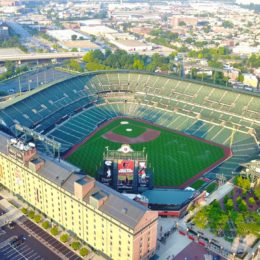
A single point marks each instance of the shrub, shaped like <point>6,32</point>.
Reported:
<point>64,238</point>
<point>242,206</point>
<point>37,218</point>
<point>225,199</point>
<point>75,245</point>
<point>25,211</point>
<point>251,201</point>
<point>31,214</point>
<point>45,224</point>
<point>239,200</point>
<point>54,231</point>
<point>83,251</point>
<point>229,204</point>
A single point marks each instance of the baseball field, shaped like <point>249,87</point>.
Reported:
<point>175,158</point>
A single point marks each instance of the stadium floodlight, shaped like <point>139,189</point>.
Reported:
<point>39,137</point>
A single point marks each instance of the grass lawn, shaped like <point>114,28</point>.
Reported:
<point>197,184</point>
<point>211,187</point>
<point>174,158</point>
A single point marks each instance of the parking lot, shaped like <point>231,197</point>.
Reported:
<point>32,79</point>
<point>25,240</point>
<point>47,238</point>
<point>22,251</point>
<point>30,248</point>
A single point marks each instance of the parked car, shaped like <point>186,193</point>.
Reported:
<point>11,225</point>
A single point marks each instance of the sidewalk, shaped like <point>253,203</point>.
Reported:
<point>173,246</point>
<point>12,213</point>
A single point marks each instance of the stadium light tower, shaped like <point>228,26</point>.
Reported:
<point>47,142</point>
<point>221,179</point>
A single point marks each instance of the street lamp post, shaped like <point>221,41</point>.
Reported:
<point>29,84</point>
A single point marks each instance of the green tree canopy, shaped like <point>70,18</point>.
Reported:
<point>244,183</point>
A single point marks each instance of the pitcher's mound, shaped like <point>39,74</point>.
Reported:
<point>147,136</point>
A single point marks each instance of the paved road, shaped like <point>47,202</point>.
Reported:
<point>220,193</point>
<point>41,56</point>
<point>25,37</point>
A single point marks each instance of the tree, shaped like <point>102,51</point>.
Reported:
<point>230,204</point>
<point>10,66</point>
<point>257,193</point>
<point>254,60</point>
<point>88,57</point>
<point>182,23</point>
<point>240,77</point>
<point>226,199</point>
<point>83,251</point>
<point>244,183</point>
<point>215,64</point>
<point>54,231</point>
<point>98,55</point>
<point>242,206</point>
<point>251,201</point>
<point>201,218</point>
<point>64,238</point>
<point>74,65</point>
<point>45,224</point>
<point>93,38</point>
<point>194,72</point>
<point>24,211</point>
<point>227,24</point>
<point>74,37</point>
<point>31,214</point>
<point>200,55</point>
<point>93,66</point>
<point>138,64</point>
<point>37,218</point>
<point>75,245</point>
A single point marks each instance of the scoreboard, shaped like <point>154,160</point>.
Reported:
<point>125,170</point>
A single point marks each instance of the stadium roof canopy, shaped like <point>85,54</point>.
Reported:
<point>168,196</point>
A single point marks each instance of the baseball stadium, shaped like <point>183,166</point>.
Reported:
<point>188,129</point>
<point>103,154</point>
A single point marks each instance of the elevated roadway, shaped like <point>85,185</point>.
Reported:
<point>41,56</point>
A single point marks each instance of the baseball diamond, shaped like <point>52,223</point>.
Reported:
<point>174,157</point>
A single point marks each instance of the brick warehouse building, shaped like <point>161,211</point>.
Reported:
<point>108,221</point>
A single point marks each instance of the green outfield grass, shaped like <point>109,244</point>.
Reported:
<point>174,158</point>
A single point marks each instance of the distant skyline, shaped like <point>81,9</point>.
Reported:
<point>248,1</point>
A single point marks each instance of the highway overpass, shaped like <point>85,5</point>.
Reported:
<point>41,56</point>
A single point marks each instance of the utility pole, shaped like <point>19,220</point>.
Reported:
<point>29,84</point>
<point>20,89</point>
